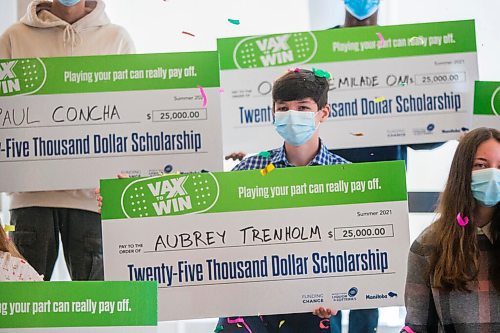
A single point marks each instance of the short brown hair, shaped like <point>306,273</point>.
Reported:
<point>301,84</point>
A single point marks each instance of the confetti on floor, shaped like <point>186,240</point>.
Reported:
<point>281,323</point>
<point>188,33</point>
<point>357,134</point>
<point>235,22</point>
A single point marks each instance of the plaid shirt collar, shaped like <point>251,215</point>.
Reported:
<point>321,158</point>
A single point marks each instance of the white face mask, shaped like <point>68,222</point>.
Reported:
<point>68,3</point>
<point>296,127</point>
<point>485,186</point>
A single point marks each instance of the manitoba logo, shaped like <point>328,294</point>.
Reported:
<point>390,294</point>
<point>275,50</point>
<point>170,195</point>
<point>21,77</point>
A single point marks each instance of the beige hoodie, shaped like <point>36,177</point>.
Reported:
<point>42,34</point>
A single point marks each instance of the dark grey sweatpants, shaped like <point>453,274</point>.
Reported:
<point>37,238</point>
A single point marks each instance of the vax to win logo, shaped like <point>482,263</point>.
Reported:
<point>170,195</point>
<point>275,50</point>
<point>9,82</point>
<point>21,77</point>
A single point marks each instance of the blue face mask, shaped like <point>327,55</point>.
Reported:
<point>296,127</point>
<point>68,3</point>
<point>486,186</point>
<point>361,9</point>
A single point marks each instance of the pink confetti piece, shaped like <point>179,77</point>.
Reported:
<point>382,40</point>
<point>239,320</point>
<point>462,221</point>
<point>188,33</point>
<point>324,324</point>
<point>203,95</point>
<point>221,90</point>
<point>296,69</point>
<point>408,329</point>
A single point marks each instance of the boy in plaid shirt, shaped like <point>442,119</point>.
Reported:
<point>300,105</point>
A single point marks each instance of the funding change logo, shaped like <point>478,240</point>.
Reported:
<point>170,195</point>
<point>21,76</point>
<point>275,50</point>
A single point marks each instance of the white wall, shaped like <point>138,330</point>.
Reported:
<point>156,26</point>
<point>8,11</point>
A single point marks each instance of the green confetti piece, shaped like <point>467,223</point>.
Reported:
<point>321,73</point>
<point>275,50</point>
<point>218,329</point>
<point>236,22</point>
<point>21,76</point>
<point>265,154</point>
<point>170,195</point>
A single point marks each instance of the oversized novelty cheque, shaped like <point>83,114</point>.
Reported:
<point>67,122</point>
<point>65,307</point>
<point>389,85</point>
<point>487,105</point>
<point>239,243</point>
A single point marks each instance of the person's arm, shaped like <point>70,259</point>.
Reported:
<point>236,156</point>
<point>97,191</point>
<point>241,166</point>
<point>421,315</point>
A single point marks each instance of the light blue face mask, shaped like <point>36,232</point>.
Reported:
<point>296,127</point>
<point>361,9</point>
<point>486,186</point>
<point>68,3</point>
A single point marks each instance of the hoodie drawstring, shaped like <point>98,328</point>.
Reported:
<point>70,36</point>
